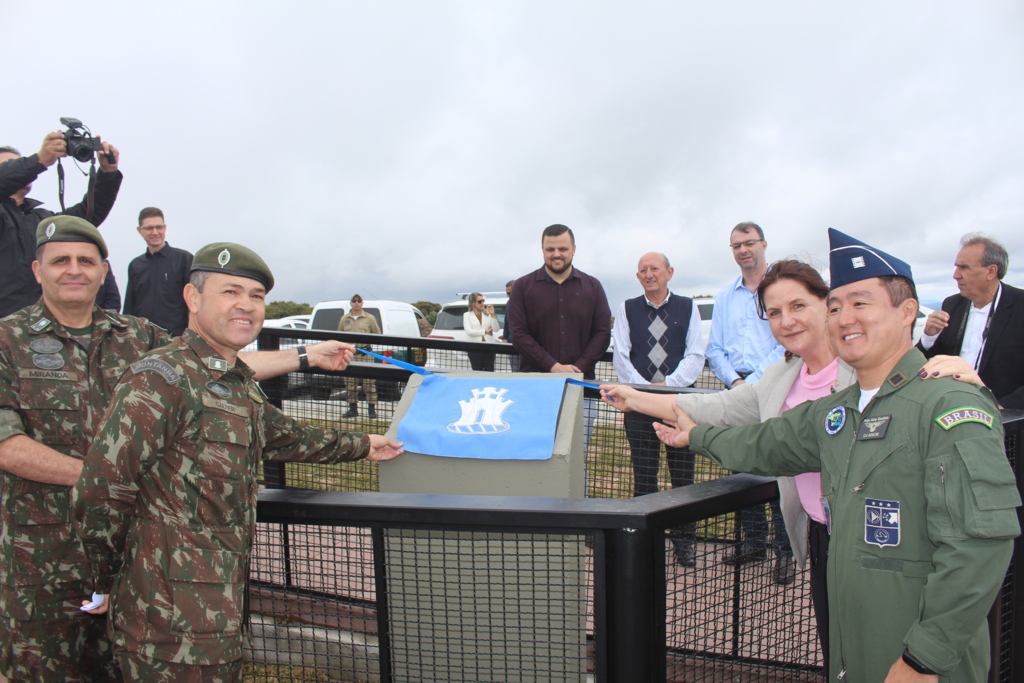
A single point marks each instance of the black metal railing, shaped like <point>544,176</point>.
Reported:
<point>325,565</point>
<point>620,585</point>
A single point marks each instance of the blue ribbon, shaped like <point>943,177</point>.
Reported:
<point>402,364</point>
<point>423,371</point>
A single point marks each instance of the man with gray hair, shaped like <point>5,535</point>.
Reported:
<point>658,341</point>
<point>984,323</point>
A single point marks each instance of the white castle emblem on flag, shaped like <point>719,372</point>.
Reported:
<point>482,414</point>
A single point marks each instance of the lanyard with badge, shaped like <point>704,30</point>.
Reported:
<point>984,332</point>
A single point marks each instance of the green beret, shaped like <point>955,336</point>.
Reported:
<point>69,229</point>
<point>228,257</point>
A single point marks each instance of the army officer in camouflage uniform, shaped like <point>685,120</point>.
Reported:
<point>166,504</point>
<point>918,492</point>
<point>59,362</point>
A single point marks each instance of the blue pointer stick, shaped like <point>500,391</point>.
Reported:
<point>581,383</point>
<point>402,364</point>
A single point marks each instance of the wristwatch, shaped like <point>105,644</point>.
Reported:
<point>303,359</point>
<point>917,666</point>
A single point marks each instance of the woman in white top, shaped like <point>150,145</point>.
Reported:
<point>480,324</point>
<point>792,297</point>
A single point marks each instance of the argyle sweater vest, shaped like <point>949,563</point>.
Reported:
<point>658,335</point>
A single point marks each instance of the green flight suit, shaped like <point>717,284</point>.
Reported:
<point>940,478</point>
<point>166,503</point>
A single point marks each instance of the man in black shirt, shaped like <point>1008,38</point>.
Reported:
<point>157,278</point>
<point>20,215</point>
<point>109,296</point>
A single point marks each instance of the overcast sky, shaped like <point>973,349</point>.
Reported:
<point>412,150</point>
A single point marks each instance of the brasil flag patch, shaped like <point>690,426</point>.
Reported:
<point>961,415</point>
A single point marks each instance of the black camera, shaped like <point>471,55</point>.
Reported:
<point>79,140</point>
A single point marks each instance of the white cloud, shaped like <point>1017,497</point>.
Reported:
<point>411,150</point>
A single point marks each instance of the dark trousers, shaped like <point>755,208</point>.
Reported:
<point>754,523</point>
<point>481,361</point>
<point>645,451</point>
<point>818,542</point>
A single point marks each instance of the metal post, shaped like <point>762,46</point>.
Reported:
<point>635,607</point>
<point>383,632</point>
<point>1014,584</point>
<point>273,472</point>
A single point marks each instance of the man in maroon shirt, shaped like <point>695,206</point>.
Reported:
<point>559,317</point>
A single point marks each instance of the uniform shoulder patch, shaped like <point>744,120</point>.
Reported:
<point>165,369</point>
<point>951,419</point>
<point>835,420</point>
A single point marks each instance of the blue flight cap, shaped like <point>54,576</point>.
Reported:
<point>850,260</point>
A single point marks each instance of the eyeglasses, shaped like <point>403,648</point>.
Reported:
<point>748,244</point>
<point>356,301</point>
<point>152,227</point>
<point>479,301</point>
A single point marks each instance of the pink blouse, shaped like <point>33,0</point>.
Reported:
<point>808,388</point>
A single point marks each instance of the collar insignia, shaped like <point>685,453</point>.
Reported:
<point>897,379</point>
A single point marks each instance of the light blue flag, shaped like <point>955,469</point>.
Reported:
<point>493,418</point>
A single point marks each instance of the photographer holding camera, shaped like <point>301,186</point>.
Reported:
<point>20,215</point>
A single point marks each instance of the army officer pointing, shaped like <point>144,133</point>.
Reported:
<point>919,494</point>
<point>60,360</point>
<point>166,504</point>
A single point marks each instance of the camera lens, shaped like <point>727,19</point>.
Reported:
<point>81,152</point>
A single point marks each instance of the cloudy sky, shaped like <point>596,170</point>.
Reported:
<point>412,150</point>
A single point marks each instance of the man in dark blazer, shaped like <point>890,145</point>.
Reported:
<point>984,323</point>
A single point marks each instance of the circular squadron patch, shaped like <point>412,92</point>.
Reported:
<point>223,258</point>
<point>48,361</point>
<point>46,345</point>
<point>835,420</point>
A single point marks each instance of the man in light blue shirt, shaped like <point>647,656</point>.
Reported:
<point>740,341</point>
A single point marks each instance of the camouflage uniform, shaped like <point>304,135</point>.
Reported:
<point>138,668</point>
<point>364,324</point>
<point>53,389</point>
<point>166,503</point>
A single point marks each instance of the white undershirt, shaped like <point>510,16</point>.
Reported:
<point>973,341</point>
<point>865,397</point>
